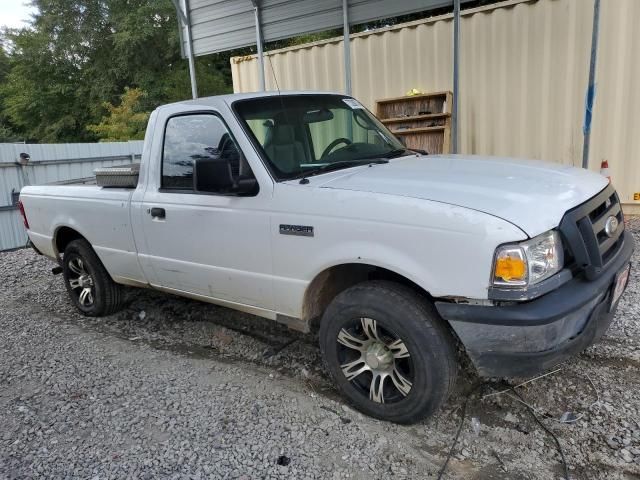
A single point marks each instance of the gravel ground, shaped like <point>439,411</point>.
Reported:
<point>173,388</point>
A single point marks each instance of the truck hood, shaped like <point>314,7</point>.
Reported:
<point>532,195</point>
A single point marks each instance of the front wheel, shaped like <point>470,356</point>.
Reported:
<point>388,351</point>
<point>88,283</point>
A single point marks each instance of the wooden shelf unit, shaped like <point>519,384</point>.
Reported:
<point>424,121</point>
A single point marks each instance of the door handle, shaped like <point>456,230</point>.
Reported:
<point>158,212</point>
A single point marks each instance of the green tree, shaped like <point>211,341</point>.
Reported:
<point>78,54</point>
<point>7,131</point>
<point>125,121</point>
<point>43,88</point>
<point>75,55</point>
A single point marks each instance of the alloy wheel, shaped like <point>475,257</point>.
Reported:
<point>375,360</point>
<point>81,282</point>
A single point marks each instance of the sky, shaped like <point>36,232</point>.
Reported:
<point>14,13</point>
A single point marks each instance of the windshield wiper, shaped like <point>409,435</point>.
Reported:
<point>398,152</point>
<point>329,167</point>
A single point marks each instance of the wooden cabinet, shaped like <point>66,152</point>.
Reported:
<point>422,121</point>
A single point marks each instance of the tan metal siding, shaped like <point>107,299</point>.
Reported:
<point>378,70</point>
<point>615,134</point>
<point>391,63</point>
<point>524,70</point>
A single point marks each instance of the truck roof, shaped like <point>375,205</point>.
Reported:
<point>217,100</point>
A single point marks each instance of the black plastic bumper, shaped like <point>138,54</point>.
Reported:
<point>524,339</point>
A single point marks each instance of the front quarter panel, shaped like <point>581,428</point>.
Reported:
<point>446,249</point>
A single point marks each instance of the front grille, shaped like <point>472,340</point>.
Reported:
<point>583,229</point>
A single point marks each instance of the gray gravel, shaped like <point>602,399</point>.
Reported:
<point>173,388</point>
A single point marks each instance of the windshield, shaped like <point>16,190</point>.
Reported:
<point>302,135</point>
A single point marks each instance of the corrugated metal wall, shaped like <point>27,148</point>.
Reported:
<point>51,163</point>
<point>524,72</point>
<point>384,64</point>
<point>616,122</point>
<point>523,76</point>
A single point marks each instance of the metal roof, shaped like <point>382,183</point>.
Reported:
<point>220,25</point>
<point>218,100</point>
<point>210,26</point>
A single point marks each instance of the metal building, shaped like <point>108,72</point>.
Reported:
<point>210,26</point>
<point>524,78</point>
<point>50,163</point>
<point>524,73</point>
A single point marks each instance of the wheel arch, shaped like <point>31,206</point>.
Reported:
<point>64,235</point>
<point>333,280</point>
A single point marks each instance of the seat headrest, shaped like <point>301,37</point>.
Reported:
<point>283,134</point>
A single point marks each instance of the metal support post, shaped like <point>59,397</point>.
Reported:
<point>347,47</point>
<point>591,88</point>
<point>456,76</point>
<point>256,9</point>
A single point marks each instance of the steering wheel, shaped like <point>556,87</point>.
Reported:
<point>333,145</point>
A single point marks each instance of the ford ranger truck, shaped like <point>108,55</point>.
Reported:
<point>303,208</point>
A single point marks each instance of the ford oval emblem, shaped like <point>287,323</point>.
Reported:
<point>610,226</point>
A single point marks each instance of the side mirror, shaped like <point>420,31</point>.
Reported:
<point>214,175</point>
<point>246,186</point>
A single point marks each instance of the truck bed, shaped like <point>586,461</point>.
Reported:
<point>101,215</point>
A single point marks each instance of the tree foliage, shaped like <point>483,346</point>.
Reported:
<point>125,121</point>
<point>78,55</point>
<point>7,133</point>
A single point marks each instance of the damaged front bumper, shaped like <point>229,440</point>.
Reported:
<point>526,338</point>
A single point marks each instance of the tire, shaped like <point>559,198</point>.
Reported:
<point>390,341</point>
<point>90,287</point>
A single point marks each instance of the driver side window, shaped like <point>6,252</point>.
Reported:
<point>201,137</point>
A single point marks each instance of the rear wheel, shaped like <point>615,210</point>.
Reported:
<point>388,351</point>
<point>90,287</point>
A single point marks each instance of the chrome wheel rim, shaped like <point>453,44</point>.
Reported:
<point>81,282</point>
<point>375,360</point>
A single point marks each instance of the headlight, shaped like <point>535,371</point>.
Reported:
<point>529,262</point>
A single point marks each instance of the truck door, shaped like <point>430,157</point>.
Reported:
<point>213,243</point>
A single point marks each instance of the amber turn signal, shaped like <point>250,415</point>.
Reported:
<point>509,268</point>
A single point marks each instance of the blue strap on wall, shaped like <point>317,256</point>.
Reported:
<point>588,109</point>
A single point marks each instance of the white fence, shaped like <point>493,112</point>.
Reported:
<point>50,163</point>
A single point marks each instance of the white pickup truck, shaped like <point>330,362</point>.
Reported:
<point>302,208</point>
